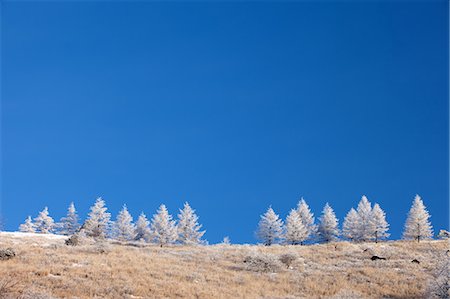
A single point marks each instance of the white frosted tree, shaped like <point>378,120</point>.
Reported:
<point>163,228</point>
<point>270,228</point>
<point>44,223</point>
<point>188,226</point>
<point>69,224</point>
<point>328,225</point>
<point>98,222</point>
<point>366,228</point>
<point>307,218</point>
<point>226,240</point>
<point>27,226</point>
<point>142,231</point>
<point>443,234</point>
<point>379,223</point>
<point>123,226</point>
<point>350,228</point>
<point>295,231</point>
<point>418,226</point>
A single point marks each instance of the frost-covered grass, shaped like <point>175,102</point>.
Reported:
<point>46,268</point>
<point>20,235</point>
<point>31,239</point>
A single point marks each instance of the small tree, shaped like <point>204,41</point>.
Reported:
<point>270,228</point>
<point>142,231</point>
<point>307,218</point>
<point>379,223</point>
<point>417,224</point>
<point>98,222</point>
<point>163,227</point>
<point>188,227</point>
<point>44,223</point>
<point>366,229</point>
<point>328,225</point>
<point>27,226</point>
<point>443,234</point>
<point>69,224</point>
<point>295,230</point>
<point>123,227</point>
<point>226,240</point>
<point>350,228</point>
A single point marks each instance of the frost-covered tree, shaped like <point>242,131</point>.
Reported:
<point>270,228</point>
<point>27,226</point>
<point>226,240</point>
<point>163,228</point>
<point>418,226</point>
<point>142,231</point>
<point>295,231</point>
<point>123,226</point>
<point>366,228</point>
<point>328,225</point>
<point>307,218</point>
<point>379,223</point>
<point>188,226</point>
<point>443,234</point>
<point>350,228</point>
<point>69,224</point>
<point>98,222</point>
<point>44,223</point>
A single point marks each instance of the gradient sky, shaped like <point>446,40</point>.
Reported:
<point>230,106</point>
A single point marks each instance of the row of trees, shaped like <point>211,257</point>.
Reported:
<point>366,223</point>
<point>161,229</point>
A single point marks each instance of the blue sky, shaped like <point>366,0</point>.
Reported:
<point>230,106</point>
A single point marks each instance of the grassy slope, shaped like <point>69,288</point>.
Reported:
<point>46,267</point>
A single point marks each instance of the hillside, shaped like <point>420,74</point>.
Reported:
<point>44,267</point>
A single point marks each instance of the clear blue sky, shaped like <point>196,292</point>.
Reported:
<point>230,106</point>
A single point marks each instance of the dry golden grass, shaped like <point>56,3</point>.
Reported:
<point>49,269</point>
